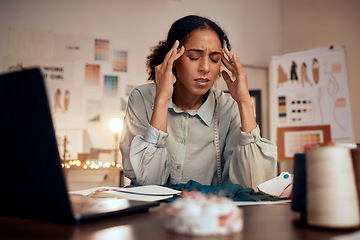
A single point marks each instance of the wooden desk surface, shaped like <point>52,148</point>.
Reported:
<point>261,222</point>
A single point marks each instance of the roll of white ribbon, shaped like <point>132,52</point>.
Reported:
<point>332,200</point>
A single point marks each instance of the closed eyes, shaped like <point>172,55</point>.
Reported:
<point>197,54</point>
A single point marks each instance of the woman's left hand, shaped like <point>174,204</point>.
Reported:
<point>239,90</point>
<point>239,87</point>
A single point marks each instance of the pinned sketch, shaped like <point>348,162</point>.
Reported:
<point>311,88</point>
<point>93,111</point>
<point>61,101</point>
<point>282,76</point>
<point>66,106</point>
<point>56,72</point>
<point>315,70</point>
<point>73,47</point>
<point>65,100</point>
<point>73,144</point>
<point>333,88</point>
<point>57,101</point>
<point>304,76</point>
<point>29,43</point>
<point>293,72</point>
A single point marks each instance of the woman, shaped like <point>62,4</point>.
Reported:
<point>180,128</point>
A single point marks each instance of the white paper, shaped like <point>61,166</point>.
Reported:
<point>28,43</point>
<point>66,106</point>
<point>86,192</point>
<point>248,203</point>
<point>74,139</point>
<point>151,189</point>
<point>93,111</point>
<point>147,193</point>
<point>72,47</point>
<point>318,94</point>
<point>56,72</point>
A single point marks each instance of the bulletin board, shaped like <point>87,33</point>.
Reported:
<point>87,78</point>
<point>292,140</point>
<point>310,88</point>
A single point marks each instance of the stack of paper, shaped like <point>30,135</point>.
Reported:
<point>149,193</point>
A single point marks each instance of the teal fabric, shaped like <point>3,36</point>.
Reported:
<point>233,191</point>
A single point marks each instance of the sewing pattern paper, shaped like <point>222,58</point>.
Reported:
<point>311,88</point>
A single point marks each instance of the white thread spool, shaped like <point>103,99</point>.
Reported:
<point>332,200</point>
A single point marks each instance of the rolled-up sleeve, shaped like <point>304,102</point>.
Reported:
<point>156,137</point>
<point>254,162</point>
<point>142,146</point>
<point>249,159</point>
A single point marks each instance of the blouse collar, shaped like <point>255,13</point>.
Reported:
<point>205,112</point>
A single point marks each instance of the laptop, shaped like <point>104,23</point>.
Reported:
<point>32,182</point>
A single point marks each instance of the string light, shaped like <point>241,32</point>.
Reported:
<point>89,164</point>
<point>115,125</point>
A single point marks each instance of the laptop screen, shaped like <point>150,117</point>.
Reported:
<point>32,180</point>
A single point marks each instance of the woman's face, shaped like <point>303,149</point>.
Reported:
<point>199,66</point>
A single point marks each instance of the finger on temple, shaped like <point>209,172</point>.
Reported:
<point>167,57</point>
<point>237,61</point>
<point>227,63</point>
<point>171,60</point>
<point>176,44</point>
<point>170,54</point>
<point>180,52</point>
<point>226,77</point>
<point>174,50</point>
<point>233,58</point>
<point>228,53</point>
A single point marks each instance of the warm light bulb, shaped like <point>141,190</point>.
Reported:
<point>115,124</point>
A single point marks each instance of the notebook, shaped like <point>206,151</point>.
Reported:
<point>32,182</point>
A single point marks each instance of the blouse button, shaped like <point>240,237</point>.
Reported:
<point>178,166</point>
<point>182,141</point>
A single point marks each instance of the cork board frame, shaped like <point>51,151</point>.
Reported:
<point>291,140</point>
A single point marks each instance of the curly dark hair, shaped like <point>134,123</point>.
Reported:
<point>181,31</point>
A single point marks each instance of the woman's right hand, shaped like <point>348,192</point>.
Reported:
<point>164,75</point>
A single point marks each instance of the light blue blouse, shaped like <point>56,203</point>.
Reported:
<point>187,150</point>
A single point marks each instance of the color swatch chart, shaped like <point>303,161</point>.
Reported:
<point>101,49</point>
<point>92,74</point>
<point>301,109</point>
<point>295,141</point>
<point>120,61</point>
<point>282,109</point>
<point>295,109</point>
<point>111,85</point>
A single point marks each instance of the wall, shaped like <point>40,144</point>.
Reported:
<point>254,29</point>
<point>309,24</point>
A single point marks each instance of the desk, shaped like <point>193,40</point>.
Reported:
<point>261,222</point>
<point>79,178</point>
